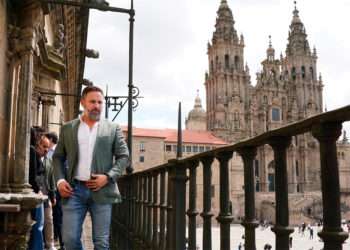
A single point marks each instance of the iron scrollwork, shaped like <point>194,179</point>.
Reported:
<point>118,102</point>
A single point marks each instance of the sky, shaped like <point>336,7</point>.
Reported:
<point>170,49</point>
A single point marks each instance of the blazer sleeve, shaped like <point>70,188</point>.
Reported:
<point>121,154</point>
<point>59,158</point>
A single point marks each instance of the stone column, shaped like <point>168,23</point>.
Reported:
<point>20,168</point>
<point>36,99</point>
<point>46,101</point>
<point>332,233</point>
<point>248,155</point>
<point>281,228</point>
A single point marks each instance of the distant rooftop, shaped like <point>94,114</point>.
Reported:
<point>170,135</point>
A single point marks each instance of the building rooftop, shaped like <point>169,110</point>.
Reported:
<point>170,135</point>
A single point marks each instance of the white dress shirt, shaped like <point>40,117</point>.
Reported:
<point>86,143</point>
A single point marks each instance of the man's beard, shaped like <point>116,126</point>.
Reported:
<point>94,115</point>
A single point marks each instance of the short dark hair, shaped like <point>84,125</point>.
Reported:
<point>52,137</point>
<point>35,134</point>
<point>89,89</point>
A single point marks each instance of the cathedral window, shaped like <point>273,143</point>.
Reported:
<point>276,114</point>
<point>236,60</point>
<point>303,72</point>
<point>256,163</point>
<point>265,100</point>
<point>236,120</point>
<point>294,73</point>
<point>297,168</point>
<point>312,72</point>
<point>227,61</point>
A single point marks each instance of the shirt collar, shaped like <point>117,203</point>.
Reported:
<point>95,124</point>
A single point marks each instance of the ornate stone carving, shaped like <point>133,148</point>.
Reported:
<point>59,40</point>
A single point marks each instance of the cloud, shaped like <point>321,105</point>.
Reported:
<point>171,41</point>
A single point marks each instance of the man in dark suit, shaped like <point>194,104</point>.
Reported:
<point>37,180</point>
<point>96,155</point>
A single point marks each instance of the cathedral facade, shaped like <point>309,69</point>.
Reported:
<point>287,89</point>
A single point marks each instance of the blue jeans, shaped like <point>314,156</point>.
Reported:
<point>36,241</point>
<point>74,211</point>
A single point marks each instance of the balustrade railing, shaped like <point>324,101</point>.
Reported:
<point>153,213</point>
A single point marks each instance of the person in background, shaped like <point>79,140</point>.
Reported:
<point>57,209</point>
<point>38,150</point>
<point>51,188</point>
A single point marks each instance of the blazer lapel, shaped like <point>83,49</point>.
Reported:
<point>74,138</point>
<point>100,130</point>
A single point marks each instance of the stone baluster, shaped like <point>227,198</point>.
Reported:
<point>281,229</point>
<point>332,233</point>
<point>225,217</point>
<point>163,207</point>
<point>155,207</point>
<point>248,155</point>
<point>179,196</point>
<point>170,228</point>
<point>139,212</point>
<point>207,214</point>
<point>192,212</point>
<point>149,210</point>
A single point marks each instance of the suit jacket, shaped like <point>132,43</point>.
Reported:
<point>110,156</point>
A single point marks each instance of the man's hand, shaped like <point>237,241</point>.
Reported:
<point>65,189</point>
<point>97,181</point>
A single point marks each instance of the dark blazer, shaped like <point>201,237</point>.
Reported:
<point>110,156</point>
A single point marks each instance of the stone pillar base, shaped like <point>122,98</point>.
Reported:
<point>15,218</point>
<point>282,236</point>
<point>333,240</point>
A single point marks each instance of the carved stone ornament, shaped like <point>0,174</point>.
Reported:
<point>51,61</point>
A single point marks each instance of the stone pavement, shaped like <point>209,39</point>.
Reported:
<point>263,236</point>
<point>267,236</point>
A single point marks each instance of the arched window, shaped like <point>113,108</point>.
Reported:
<point>312,72</point>
<point>211,66</point>
<point>227,61</point>
<point>236,120</point>
<point>294,73</point>
<point>216,62</point>
<point>297,168</point>
<point>265,99</point>
<point>236,61</point>
<point>303,72</point>
<point>275,114</point>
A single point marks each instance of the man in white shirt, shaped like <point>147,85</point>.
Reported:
<point>96,154</point>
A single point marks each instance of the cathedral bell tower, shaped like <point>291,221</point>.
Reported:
<point>228,81</point>
<point>300,70</point>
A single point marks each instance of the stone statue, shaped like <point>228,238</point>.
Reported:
<point>59,40</point>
